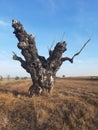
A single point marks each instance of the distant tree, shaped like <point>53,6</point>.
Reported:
<point>1,78</point>
<point>8,77</point>
<point>24,78</point>
<point>17,78</point>
<point>63,76</point>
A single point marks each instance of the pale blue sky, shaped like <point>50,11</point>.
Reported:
<point>48,20</point>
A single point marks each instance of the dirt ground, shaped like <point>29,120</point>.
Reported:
<point>72,105</point>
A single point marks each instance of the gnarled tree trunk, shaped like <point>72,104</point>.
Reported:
<point>42,70</point>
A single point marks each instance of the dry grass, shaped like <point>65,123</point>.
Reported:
<point>73,105</point>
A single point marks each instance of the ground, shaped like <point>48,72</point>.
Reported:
<point>72,105</point>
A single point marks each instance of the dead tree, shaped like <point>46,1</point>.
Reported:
<point>42,70</point>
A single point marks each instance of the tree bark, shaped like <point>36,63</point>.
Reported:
<point>43,71</point>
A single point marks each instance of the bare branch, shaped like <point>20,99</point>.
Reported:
<point>67,58</point>
<point>76,54</point>
<point>15,57</point>
<point>81,49</point>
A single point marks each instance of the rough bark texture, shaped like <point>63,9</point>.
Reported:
<point>42,70</point>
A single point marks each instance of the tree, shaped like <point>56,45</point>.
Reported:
<point>8,77</point>
<point>17,78</point>
<point>1,78</point>
<point>42,70</point>
<point>63,76</point>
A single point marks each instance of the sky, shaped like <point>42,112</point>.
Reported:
<point>74,21</point>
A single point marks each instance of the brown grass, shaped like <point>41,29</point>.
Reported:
<point>73,105</point>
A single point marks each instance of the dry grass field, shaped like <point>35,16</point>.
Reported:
<point>72,105</point>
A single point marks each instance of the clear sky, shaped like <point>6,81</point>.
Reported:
<point>48,20</point>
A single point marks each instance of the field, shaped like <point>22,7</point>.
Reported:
<point>72,105</point>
